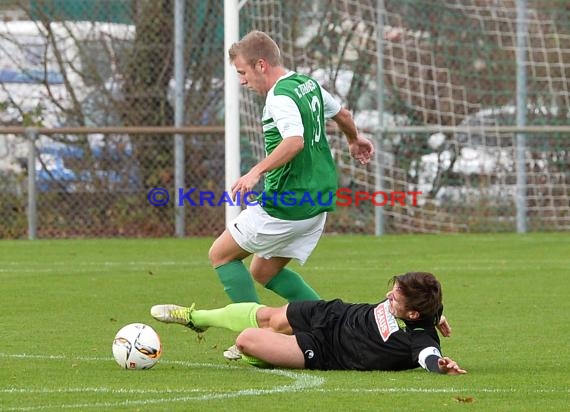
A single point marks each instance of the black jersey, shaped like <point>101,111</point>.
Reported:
<point>334,335</point>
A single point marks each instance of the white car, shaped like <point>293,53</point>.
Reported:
<point>49,73</point>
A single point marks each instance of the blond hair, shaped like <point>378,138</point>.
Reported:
<point>254,46</point>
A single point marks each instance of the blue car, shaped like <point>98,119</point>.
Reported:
<point>67,168</point>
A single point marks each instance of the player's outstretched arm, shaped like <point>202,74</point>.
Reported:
<point>449,367</point>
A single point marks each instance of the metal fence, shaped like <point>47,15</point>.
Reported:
<point>102,184</point>
<point>99,185</point>
<point>92,85</point>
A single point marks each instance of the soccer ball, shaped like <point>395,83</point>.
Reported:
<point>137,346</point>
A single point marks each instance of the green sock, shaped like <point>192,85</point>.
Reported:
<point>258,363</point>
<point>237,282</point>
<point>235,316</point>
<point>291,286</point>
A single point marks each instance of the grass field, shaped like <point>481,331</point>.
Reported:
<point>506,296</point>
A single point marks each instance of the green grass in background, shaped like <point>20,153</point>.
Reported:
<point>506,297</point>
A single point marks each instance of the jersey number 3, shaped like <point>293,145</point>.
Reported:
<point>316,109</point>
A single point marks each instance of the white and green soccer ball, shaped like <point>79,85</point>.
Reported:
<point>137,346</point>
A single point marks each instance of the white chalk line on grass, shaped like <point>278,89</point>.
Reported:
<point>106,263</point>
<point>15,267</point>
<point>301,381</point>
<point>329,390</point>
<point>80,267</point>
<point>440,390</point>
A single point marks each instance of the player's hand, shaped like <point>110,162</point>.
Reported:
<point>362,150</point>
<point>443,327</point>
<point>449,366</point>
<point>245,184</point>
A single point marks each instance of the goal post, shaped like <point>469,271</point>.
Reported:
<point>439,84</point>
<point>231,99</point>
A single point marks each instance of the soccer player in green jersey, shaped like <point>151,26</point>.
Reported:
<point>300,183</point>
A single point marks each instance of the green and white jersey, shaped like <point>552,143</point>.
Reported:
<point>305,186</point>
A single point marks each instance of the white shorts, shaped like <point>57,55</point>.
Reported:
<point>257,232</point>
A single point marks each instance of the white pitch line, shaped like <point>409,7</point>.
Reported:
<point>440,390</point>
<point>97,390</point>
<point>301,382</point>
<point>81,267</point>
<point>28,264</point>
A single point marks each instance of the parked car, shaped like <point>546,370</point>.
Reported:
<point>36,79</point>
<point>100,165</point>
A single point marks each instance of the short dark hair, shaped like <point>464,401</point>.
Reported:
<point>422,293</point>
<point>254,46</point>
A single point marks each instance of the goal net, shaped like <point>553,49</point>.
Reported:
<point>448,93</point>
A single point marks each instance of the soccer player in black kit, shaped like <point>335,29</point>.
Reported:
<point>398,333</point>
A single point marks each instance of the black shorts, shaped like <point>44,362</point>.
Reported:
<point>314,324</point>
